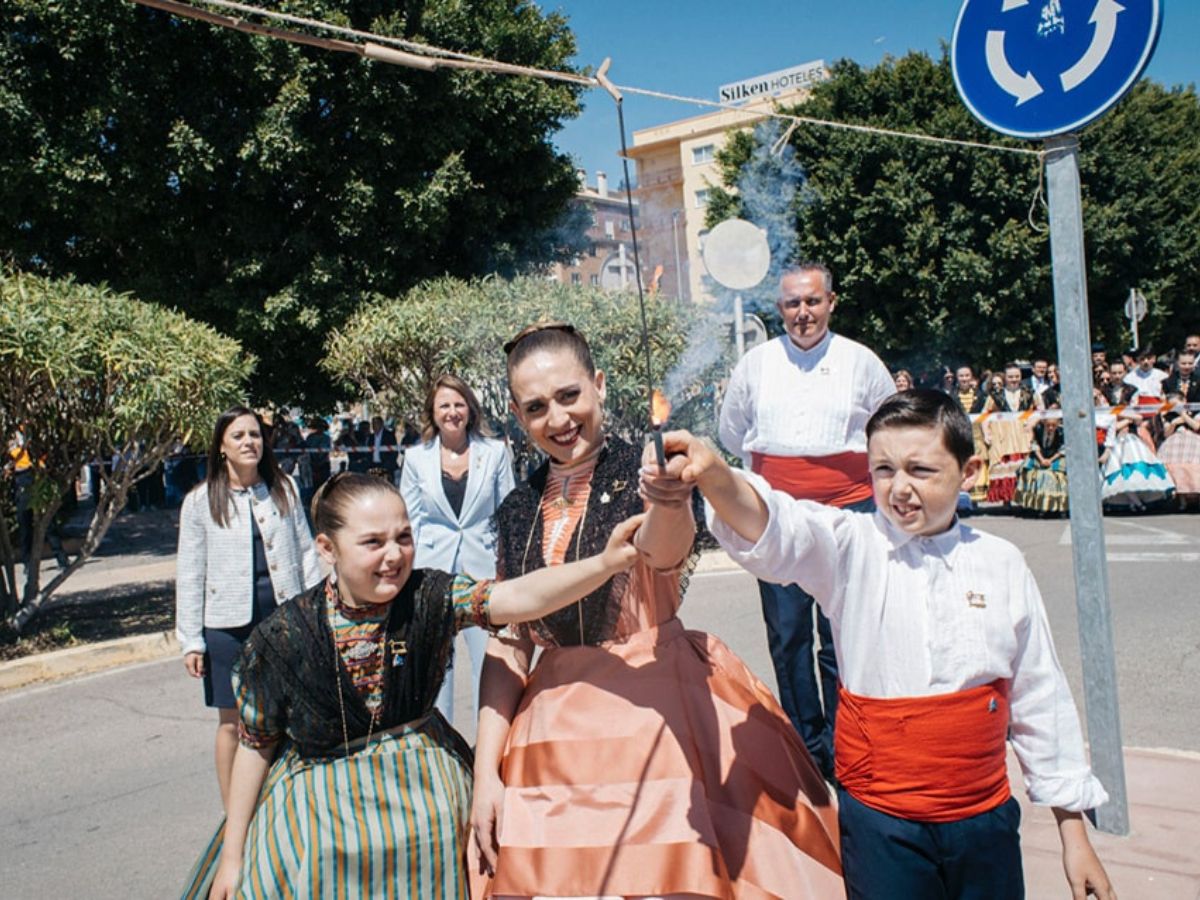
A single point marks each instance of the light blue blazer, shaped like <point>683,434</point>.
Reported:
<point>464,544</point>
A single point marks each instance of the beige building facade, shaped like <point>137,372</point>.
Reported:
<point>608,261</point>
<point>677,169</point>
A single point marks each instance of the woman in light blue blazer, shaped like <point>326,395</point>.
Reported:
<point>453,483</point>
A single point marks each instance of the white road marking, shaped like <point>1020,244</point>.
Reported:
<point>1145,536</point>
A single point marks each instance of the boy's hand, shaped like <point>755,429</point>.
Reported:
<point>620,553</point>
<point>1085,873</point>
<point>689,458</point>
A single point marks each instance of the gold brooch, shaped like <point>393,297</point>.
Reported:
<point>618,486</point>
<point>976,601</point>
<point>399,650</point>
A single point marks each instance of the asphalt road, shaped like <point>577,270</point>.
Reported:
<point>107,787</point>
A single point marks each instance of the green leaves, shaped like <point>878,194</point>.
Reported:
<point>217,172</point>
<point>934,258</point>
<point>87,369</point>
<point>393,349</point>
<point>88,374</point>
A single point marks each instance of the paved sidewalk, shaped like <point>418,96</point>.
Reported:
<point>1158,860</point>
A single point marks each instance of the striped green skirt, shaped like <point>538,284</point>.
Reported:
<point>390,820</point>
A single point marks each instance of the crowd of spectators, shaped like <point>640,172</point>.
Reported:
<point>1148,428</point>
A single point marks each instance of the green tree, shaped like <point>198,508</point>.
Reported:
<point>87,374</point>
<point>931,246</point>
<point>267,188</point>
<point>393,349</point>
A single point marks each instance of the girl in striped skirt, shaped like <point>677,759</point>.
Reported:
<point>347,781</point>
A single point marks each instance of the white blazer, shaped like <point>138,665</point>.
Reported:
<point>214,568</point>
<point>463,544</point>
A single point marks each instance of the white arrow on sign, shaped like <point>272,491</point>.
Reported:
<point>1023,87</point>
<point>1013,4</point>
<point>1104,17</point>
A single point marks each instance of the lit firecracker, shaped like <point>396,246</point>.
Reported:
<point>660,411</point>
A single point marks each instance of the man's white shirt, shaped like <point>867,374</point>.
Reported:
<point>785,401</point>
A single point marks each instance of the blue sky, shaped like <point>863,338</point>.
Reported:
<point>692,46</point>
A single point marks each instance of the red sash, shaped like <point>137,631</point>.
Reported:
<point>837,480</point>
<point>927,759</point>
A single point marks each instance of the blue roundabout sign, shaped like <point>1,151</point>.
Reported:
<point>1039,68</point>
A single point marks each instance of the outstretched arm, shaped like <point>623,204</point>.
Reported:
<point>547,590</point>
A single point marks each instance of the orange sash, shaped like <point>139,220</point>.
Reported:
<point>927,759</point>
<point>837,480</point>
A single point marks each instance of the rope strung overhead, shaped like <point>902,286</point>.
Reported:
<point>416,55</point>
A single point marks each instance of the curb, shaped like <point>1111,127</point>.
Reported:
<point>58,665</point>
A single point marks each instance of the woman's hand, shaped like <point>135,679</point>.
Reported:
<point>487,806</point>
<point>225,882</point>
<point>194,663</point>
<point>620,553</point>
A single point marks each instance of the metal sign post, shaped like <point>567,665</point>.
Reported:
<point>1135,311</point>
<point>1035,70</point>
<point>1087,522</point>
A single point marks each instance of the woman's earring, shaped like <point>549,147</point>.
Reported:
<point>222,456</point>
<point>333,575</point>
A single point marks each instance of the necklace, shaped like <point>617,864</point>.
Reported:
<point>375,647</point>
<point>562,503</point>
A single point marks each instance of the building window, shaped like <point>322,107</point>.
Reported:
<point>702,198</point>
<point>595,281</point>
<point>705,154</point>
<point>610,230</point>
<point>576,279</point>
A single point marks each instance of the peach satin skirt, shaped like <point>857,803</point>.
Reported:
<point>656,766</point>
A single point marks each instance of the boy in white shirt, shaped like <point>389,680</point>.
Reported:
<point>945,651</point>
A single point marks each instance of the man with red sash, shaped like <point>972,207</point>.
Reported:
<point>945,652</point>
<point>794,412</point>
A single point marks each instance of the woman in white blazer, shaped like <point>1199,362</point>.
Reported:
<point>453,483</point>
<point>244,547</point>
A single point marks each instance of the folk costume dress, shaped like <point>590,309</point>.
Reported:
<point>369,795</point>
<point>644,759</point>
<point>972,402</point>
<point>1133,475</point>
<point>1043,488</point>
<point>1008,442</point>
<point>1180,453</point>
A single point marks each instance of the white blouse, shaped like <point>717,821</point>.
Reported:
<point>915,617</point>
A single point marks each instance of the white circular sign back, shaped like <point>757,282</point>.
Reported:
<point>736,254</point>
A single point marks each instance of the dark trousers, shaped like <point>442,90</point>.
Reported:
<point>788,612</point>
<point>978,858</point>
